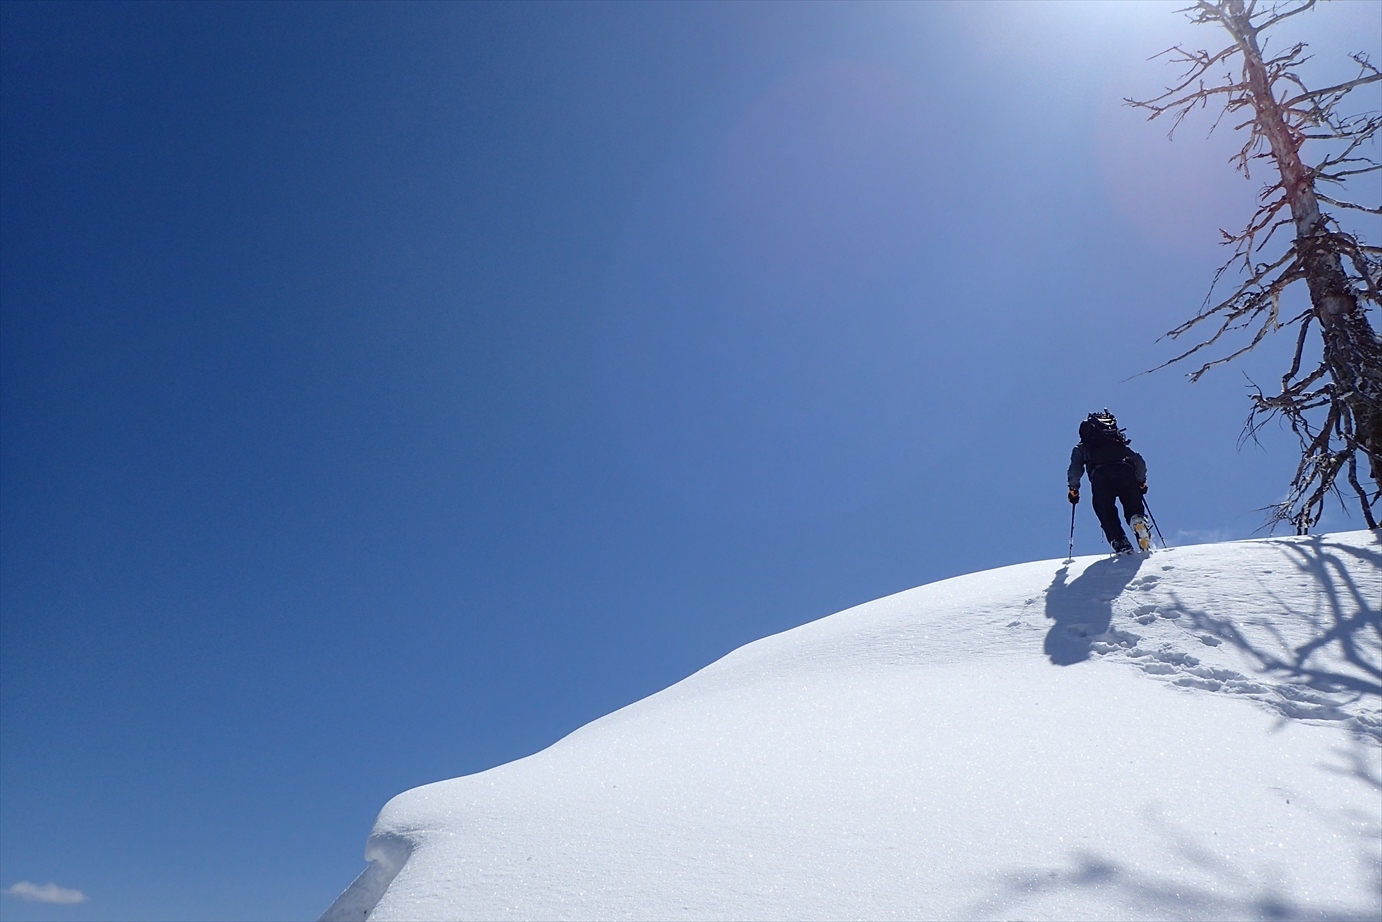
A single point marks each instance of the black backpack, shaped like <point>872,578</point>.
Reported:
<point>1104,443</point>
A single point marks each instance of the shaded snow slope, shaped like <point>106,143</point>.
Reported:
<point>1196,734</point>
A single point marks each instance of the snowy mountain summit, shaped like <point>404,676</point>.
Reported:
<point>1196,734</point>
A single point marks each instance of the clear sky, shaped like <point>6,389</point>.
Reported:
<point>387,390</point>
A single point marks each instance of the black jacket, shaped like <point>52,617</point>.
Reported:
<point>1079,462</point>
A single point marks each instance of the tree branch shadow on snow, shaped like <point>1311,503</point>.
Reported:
<point>1153,896</point>
<point>1353,618</point>
<point>1343,656</point>
<point>1224,890</point>
<point>1083,608</point>
<point>1364,766</point>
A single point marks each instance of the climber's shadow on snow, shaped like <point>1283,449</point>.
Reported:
<point>1082,609</point>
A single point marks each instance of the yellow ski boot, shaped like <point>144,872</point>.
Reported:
<point>1142,531</point>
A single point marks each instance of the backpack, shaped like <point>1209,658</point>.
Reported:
<point>1104,443</point>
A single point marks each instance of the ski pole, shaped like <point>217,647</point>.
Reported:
<point>1070,555</point>
<point>1147,506</point>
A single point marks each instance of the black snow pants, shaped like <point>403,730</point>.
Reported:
<point>1115,482</point>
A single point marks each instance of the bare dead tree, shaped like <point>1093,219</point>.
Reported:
<point>1333,405</point>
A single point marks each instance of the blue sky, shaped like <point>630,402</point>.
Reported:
<point>387,390</point>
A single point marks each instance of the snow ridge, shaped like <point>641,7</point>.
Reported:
<point>1195,734</point>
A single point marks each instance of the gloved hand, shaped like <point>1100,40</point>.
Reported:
<point>1075,494</point>
<point>1143,488</point>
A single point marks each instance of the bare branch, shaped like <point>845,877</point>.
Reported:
<point>1349,205</point>
<point>1328,91</point>
<point>1304,6</point>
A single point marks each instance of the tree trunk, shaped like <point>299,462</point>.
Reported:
<point>1352,350</point>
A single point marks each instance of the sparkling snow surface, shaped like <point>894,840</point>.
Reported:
<point>1192,735</point>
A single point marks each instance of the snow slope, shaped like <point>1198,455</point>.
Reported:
<point>1192,735</point>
